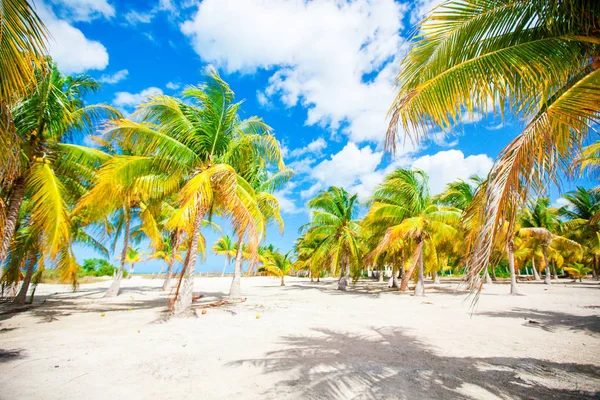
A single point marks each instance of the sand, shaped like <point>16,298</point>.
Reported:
<point>304,341</point>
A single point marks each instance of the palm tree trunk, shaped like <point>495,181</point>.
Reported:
<point>395,279</point>
<point>343,281</point>
<point>493,273</point>
<point>554,274</point>
<point>175,245</point>
<point>408,274</point>
<point>185,290</point>
<point>486,274</point>
<point>12,215</point>
<point>511,267</point>
<point>548,275</point>
<point>282,282</point>
<point>225,266</point>
<point>22,295</point>
<point>130,273</point>
<point>535,271</point>
<point>114,288</point>
<point>420,286</point>
<point>235,291</point>
<point>436,277</point>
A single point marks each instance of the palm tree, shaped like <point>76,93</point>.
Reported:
<point>403,205</point>
<point>578,271</point>
<point>276,264</point>
<point>133,256</point>
<point>53,172</point>
<point>539,58</point>
<point>22,50</point>
<point>225,247</point>
<point>255,188</point>
<point>460,193</point>
<point>583,221</point>
<point>186,149</point>
<point>335,231</point>
<point>538,223</point>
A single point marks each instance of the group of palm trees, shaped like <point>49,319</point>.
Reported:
<point>410,233</point>
<point>163,173</point>
<point>160,175</point>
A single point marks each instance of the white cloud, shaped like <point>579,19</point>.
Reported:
<point>447,166</point>
<point>114,78</point>
<point>315,148</point>
<point>337,59</point>
<point>84,10</point>
<point>173,85</point>
<point>130,100</point>
<point>137,17</point>
<point>287,205</point>
<point>350,168</point>
<point>560,202</point>
<point>422,9</point>
<point>68,46</point>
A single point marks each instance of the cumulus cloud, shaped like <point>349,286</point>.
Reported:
<point>130,100</point>
<point>114,78</point>
<point>315,148</point>
<point>337,59</point>
<point>84,10</point>
<point>287,204</point>
<point>349,168</point>
<point>447,166</point>
<point>68,46</point>
<point>422,8</point>
<point>173,85</point>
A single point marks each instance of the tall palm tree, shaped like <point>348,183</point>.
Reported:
<point>403,205</point>
<point>460,193</point>
<point>53,172</point>
<point>225,247</point>
<point>185,148</point>
<point>539,58</point>
<point>335,231</point>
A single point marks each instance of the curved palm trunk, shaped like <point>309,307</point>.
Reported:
<point>235,291</point>
<point>225,266</point>
<point>511,266</point>
<point>554,274</point>
<point>535,271</point>
<point>22,295</point>
<point>175,236</point>
<point>16,199</point>
<point>114,288</point>
<point>408,274</point>
<point>420,287</point>
<point>185,289</point>
<point>548,274</point>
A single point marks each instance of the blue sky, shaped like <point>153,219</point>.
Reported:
<point>320,73</point>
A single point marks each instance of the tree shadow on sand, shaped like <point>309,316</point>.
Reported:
<point>551,321</point>
<point>389,364</point>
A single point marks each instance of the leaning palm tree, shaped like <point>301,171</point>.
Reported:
<point>225,247</point>
<point>539,59</point>
<point>403,203</point>
<point>335,231</point>
<point>53,172</point>
<point>184,148</point>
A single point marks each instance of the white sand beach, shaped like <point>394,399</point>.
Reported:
<point>304,341</point>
